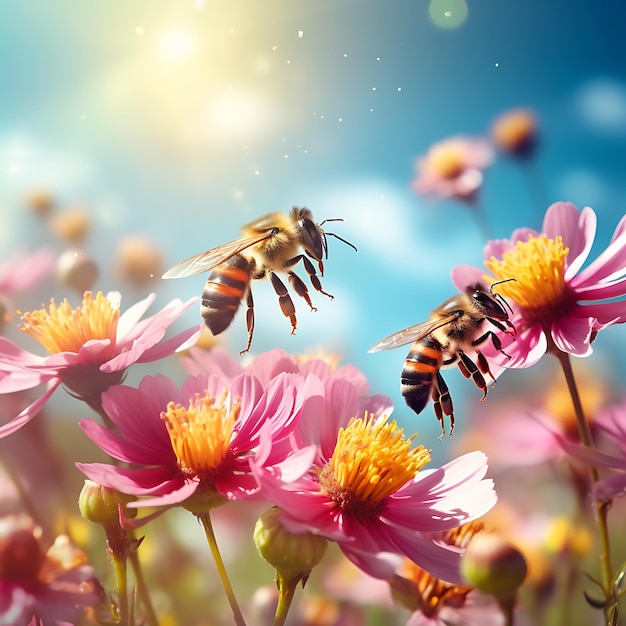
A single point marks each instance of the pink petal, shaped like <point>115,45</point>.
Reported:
<point>172,496</point>
<point>271,363</point>
<point>464,275</point>
<point>132,315</point>
<point>611,487</point>
<point>138,418</point>
<point>445,497</point>
<point>216,361</point>
<point>29,412</point>
<point>145,481</point>
<point>620,229</point>
<point>599,291</point>
<point>578,230</point>
<point>591,456</point>
<point>525,350</point>
<point>572,335</point>
<point>440,560</point>
<point>609,266</point>
<point>182,341</point>
<point>132,354</point>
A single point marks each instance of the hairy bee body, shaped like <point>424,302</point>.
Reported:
<point>453,329</point>
<point>272,244</point>
<point>223,292</point>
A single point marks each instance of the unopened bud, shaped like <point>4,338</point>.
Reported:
<point>493,565</point>
<point>100,505</point>
<point>293,555</point>
<point>71,225</point>
<point>77,270</point>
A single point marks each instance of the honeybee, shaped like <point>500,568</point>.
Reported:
<point>273,243</point>
<point>453,328</point>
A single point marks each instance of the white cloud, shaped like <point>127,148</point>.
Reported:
<point>601,103</point>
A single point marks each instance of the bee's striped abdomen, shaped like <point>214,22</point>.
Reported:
<point>419,371</point>
<point>224,291</point>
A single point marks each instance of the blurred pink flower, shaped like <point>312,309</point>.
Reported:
<point>268,365</point>
<point>365,489</point>
<point>90,348</point>
<point>556,304</point>
<point>610,455</point>
<point>19,273</point>
<point>453,168</point>
<point>197,441</point>
<point>39,586</point>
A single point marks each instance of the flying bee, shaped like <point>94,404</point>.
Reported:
<point>453,328</point>
<point>273,243</point>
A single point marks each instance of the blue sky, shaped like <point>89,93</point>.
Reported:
<point>183,120</point>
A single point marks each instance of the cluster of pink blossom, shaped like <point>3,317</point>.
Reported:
<point>301,433</point>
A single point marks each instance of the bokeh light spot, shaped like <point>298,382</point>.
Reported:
<point>448,14</point>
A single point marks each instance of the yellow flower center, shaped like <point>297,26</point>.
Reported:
<point>201,434</point>
<point>538,269</point>
<point>64,329</point>
<point>372,459</point>
<point>448,160</point>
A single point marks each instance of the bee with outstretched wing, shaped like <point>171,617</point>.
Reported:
<point>271,244</point>
<point>453,329</point>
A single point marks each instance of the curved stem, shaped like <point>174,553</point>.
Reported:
<point>600,508</point>
<point>142,589</point>
<point>205,518</point>
<point>287,590</point>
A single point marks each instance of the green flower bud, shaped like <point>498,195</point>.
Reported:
<point>493,565</point>
<point>293,555</point>
<point>99,504</point>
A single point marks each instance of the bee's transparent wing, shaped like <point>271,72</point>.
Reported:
<point>208,260</point>
<point>411,334</point>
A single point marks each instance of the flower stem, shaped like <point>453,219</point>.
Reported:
<point>121,575</point>
<point>205,518</point>
<point>287,590</point>
<point>142,589</point>
<point>601,508</point>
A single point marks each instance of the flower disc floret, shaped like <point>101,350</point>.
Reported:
<point>62,328</point>
<point>201,433</point>
<point>372,459</point>
<point>538,268</point>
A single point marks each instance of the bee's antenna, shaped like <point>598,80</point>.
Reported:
<point>342,239</point>
<point>498,296</point>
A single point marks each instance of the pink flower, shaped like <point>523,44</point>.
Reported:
<point>42,586</point>
<point>610,424</point>
<point>19,273</point>
<point>557,306</point>
<point>90,348</point>
<point>453,168</point>
<point>365,489</point>
<point>197,441</point>
<point>269,364</point>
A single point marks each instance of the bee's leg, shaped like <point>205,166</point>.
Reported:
<point>442,404</point>
<point>495,340</point>
<point>310,270</point>
<point>285,301</point>
<point>249,320</point>
<point>483,366</point>
<point>300,288</point>
<point>469,369</point>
